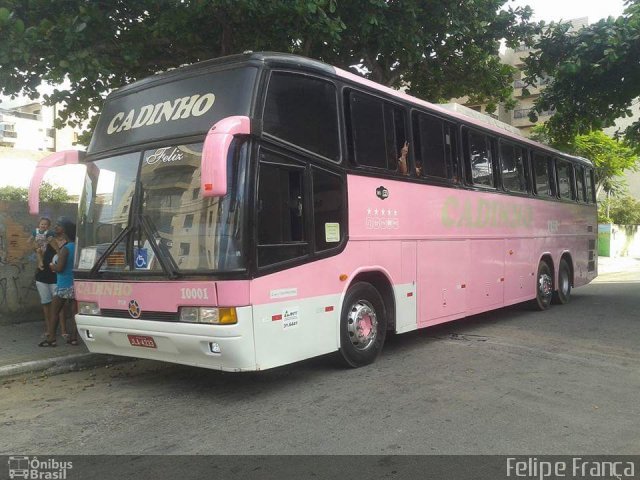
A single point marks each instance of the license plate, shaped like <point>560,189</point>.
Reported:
<point>142,341</point>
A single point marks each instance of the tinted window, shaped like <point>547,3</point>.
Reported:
<point>431,154</point>
<point>368,131</point>
<point>590,184</point>
<point>378,132</point>
<point>302,110</point>
<point>479,159</point>
<point>328,208</point>
<point>566,188</point>
<point>580,183</point>
<point>281,215</point>
<point>396,138</point>
<point>542,174</point>
<point>514,178</point>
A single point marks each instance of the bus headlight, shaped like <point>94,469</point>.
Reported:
<point>88,308</point>
<point>217,316</point>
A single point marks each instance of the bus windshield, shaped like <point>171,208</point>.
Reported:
<point>144,211</point>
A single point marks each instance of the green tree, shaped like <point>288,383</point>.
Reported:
<point>624,210</point>
<point>13,194</point>
<point>438,48</point>
<point>48,193</point>
<point>596,73</point>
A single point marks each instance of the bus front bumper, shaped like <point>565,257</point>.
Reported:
<point>219,347</point>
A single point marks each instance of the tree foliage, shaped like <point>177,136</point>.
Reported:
<point>438,48</point>
<point>596,73</point>
<point>624,210</point>
<point>48,193</point>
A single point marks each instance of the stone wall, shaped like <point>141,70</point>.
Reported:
<point>19,301</point>
<point>618,240</point>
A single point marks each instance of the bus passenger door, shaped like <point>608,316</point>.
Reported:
<point>442,280</point>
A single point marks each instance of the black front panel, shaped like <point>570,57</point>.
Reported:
<point>188,106</point>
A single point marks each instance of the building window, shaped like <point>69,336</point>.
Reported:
<point>188,221</point>
<point>185,248</point>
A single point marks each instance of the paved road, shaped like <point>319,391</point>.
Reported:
<point>512,381</point>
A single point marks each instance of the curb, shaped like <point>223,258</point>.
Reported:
<point>56,366</point>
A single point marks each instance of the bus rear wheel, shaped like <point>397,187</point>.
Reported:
<point>363,325</point>
<point>544,287</point>
<point>563,294</point>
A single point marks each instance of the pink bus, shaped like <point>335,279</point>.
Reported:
<point>260,209</point>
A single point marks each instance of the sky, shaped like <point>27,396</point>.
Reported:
<point>547,10</point>
<point>556,10</point>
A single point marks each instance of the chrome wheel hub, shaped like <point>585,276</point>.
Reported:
<point>545,285</point>
<point>362,325</point>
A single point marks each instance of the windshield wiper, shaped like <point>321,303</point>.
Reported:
<point>163,255</point>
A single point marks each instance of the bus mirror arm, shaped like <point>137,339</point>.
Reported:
<point>213,182</point>
<point>57,159</point>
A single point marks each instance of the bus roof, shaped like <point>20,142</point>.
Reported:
<point>297,62</point>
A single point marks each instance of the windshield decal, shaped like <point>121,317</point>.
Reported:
<point>165,155</point>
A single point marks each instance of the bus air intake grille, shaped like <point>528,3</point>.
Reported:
<point>145,315</point>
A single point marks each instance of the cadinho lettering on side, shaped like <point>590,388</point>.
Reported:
<point>485,214</point>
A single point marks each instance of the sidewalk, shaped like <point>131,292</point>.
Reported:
<point>19,351</point>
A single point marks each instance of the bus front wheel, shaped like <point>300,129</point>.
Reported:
<point>563,294</point>
<point>363,325</point>
<point>544,287</point>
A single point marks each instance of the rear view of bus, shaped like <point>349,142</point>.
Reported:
<point>238,214</point>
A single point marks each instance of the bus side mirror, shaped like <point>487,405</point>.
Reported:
<point>213,180</point>
<point>57,159</point>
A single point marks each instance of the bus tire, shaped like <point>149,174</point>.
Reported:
<point>544,287</point>
<point>363,325</point>
<point>563,294</point>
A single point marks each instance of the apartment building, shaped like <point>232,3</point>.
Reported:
<point>524,95</point>
<point>28,125</point>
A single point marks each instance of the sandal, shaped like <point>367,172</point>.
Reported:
<point>73,342</point>
<point>47,343</point>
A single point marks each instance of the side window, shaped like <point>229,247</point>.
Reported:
<point>328,208</point>
<point>479,161</point>
<point>564,172</point>
<point>368,138</point>
<point>377,132</point>
<point>542,175</point>
<point>590,183</point>
<point>512,164</point>
<point>580,183</point>
<point>303,110</point>
<point>431,151</point>
<point>281,211</point>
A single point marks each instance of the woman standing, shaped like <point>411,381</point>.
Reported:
<point>63,299</point>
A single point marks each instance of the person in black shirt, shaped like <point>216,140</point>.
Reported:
<point>46,285</point>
